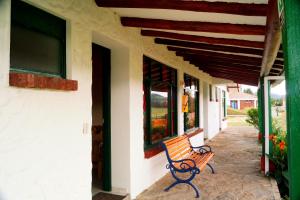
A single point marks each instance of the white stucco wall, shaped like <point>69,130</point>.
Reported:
<point>44,153</point>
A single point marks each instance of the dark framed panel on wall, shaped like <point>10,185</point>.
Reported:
<point>224,104</point>
<point>210,92</point>
<point>38,41</point>
<point>191,89</point>
<point>160,102</point>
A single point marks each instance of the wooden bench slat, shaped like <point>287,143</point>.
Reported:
<point>180,148</point>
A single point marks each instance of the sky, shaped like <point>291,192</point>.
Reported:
<point>279,89</point>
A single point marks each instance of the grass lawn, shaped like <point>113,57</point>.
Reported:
<point>237,121</point>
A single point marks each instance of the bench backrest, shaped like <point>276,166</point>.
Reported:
<point>177,148</point>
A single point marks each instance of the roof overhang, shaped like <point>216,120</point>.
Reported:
<point>238,40</point>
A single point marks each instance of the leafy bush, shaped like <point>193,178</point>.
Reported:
<point>279,155</point>
<point>252,117</point>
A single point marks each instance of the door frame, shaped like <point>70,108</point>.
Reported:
<point>107,186</point>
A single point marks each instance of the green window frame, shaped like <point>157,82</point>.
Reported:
<point>27,20</point>
<point>217,94</point>
<point>160,112</point>
<point>224,104</point>
<point>210,92</point>
<point>191,87</point>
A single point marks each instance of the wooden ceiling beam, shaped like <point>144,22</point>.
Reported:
<point>232,71</point>
<point>212,27</point>
<point>188,5</point>
<point>235,78</point>
<point>225,67</point>
<point>218,60</point>
<point>279,62</point>
<point>221,63</point>
<point>203,46</point>
<point>245,59</point>
<point>196,38</point>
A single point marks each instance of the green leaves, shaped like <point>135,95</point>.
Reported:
<point>252,117</point>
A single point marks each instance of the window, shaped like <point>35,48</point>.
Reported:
<point>217,94</point>
<point>191,118</point>
<point>210,93</point>
<point>37,41</point>
<point>160,102</point>
<point>224,103</point>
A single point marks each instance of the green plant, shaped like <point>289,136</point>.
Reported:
<point>279,155</point>
<point>252,117</point>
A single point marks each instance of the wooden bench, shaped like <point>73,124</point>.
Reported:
<point>183,158</point>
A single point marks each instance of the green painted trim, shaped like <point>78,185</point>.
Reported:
<point>148,82</point>
<point>291,47</point>
<point>261,112</point>
<point>107,120</point>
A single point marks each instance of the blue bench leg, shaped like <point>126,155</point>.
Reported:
<point>195,188</point>
<point>177,182</point>
<point>212,169</point>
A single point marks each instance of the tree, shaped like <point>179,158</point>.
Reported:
<point>248,90</point>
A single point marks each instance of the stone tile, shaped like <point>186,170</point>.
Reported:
<point>237,177</point>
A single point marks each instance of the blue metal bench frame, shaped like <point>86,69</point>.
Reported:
<point>186,167</point>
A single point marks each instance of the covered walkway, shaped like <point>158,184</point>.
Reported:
<point>238,174</point>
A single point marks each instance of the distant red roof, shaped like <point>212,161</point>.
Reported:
<point>234,95</point>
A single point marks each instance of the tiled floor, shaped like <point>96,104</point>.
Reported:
<point>237,162</point>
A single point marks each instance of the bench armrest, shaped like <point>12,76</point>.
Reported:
<point>203,149</point>
<point>185,165</point>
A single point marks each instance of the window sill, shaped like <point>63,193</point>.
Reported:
<point>27,80</point>
<point>193,133</point>
<point>149,153</point>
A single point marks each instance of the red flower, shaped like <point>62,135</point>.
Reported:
<point>271,137</point>
<point>282,145</point>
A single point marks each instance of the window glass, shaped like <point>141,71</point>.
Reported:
<point>159,114</point>
<point>41,55</point>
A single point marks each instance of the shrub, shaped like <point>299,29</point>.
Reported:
<point>279,140</point>
<point>252,117</point>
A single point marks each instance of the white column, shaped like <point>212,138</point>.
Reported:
<point>201,105</point>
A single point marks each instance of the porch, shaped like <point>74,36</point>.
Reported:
<point>238,174</point>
